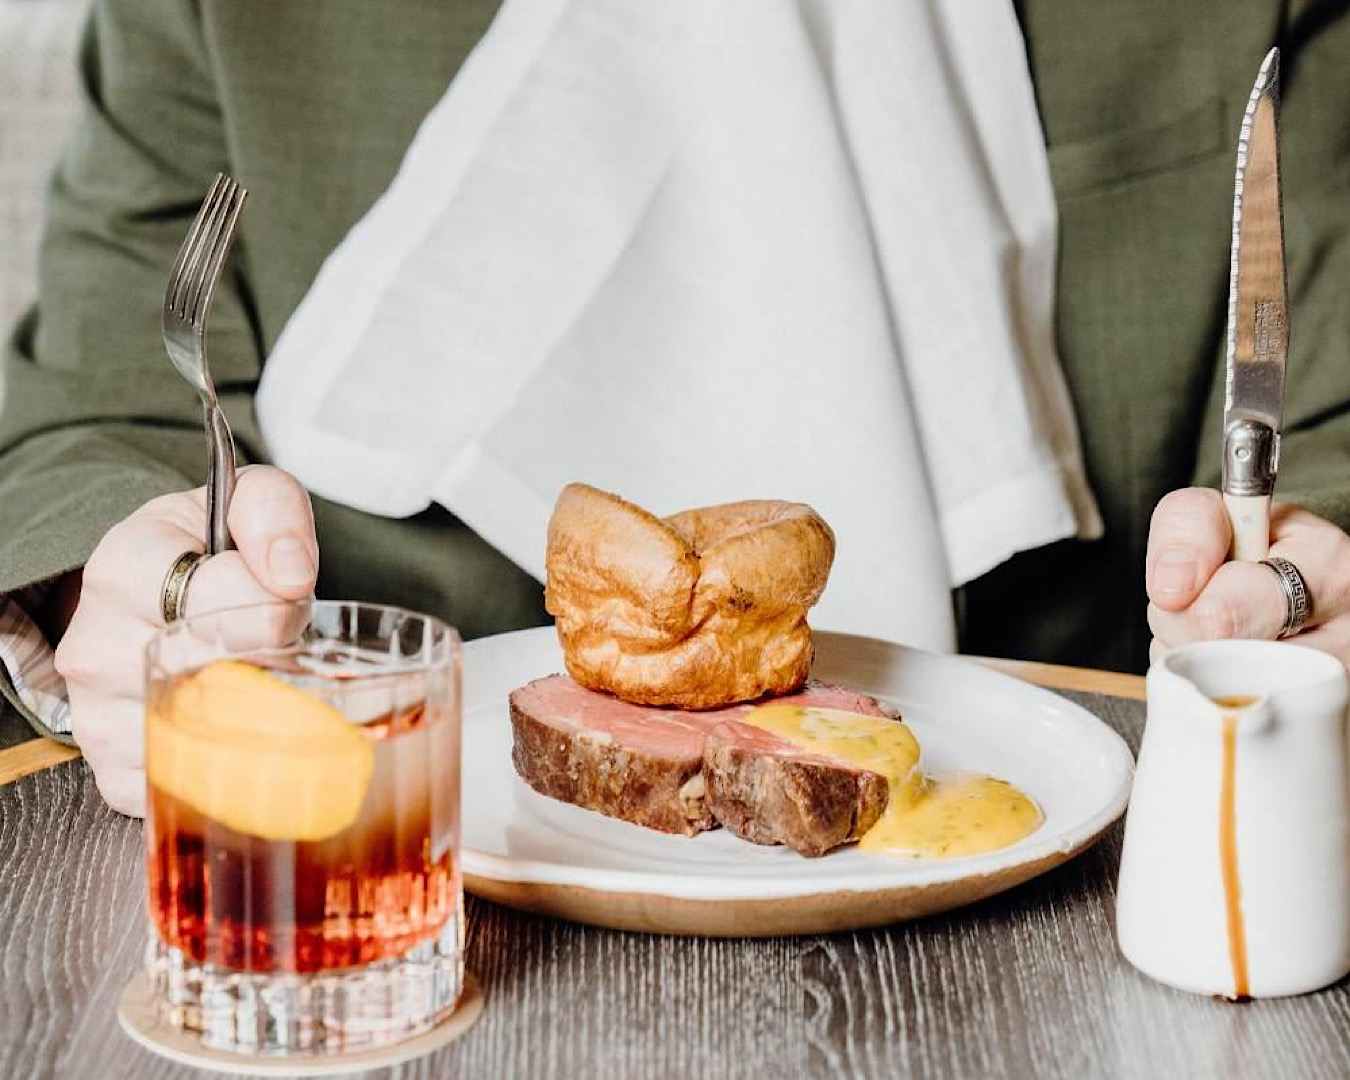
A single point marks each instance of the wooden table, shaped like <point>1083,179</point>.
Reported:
<point>1026,984</point>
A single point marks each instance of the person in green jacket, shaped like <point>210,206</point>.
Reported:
<point>312,106</point>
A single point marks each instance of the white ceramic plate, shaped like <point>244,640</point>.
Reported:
<point>532,852</point>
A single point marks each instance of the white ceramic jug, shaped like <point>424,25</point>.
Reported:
<point>1235,877</point>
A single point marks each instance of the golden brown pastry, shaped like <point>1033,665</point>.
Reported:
<point>698,610</point>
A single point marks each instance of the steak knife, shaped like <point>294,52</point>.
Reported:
<point>1258,322</point>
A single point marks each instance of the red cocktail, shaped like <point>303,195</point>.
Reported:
<point>303,825</point>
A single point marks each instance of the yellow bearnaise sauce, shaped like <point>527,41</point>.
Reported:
<point>925,816</point>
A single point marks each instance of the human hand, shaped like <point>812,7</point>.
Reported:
<point>1196,595</point>
<point>101,654</point>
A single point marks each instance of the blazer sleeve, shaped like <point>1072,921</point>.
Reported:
<point>95,422</point>
<point>1315,165</point>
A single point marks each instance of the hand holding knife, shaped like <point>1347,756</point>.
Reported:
<point>1193,595</point>
<point>1258,323</point>
<point>1258,342</point>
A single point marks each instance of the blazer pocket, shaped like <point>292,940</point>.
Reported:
<point>1102,161</point>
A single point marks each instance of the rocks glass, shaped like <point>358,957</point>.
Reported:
<point>302,826</point>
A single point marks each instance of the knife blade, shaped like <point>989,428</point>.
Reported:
<point>1258,322</point>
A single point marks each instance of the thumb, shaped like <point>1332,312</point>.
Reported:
<point>273,526</point>
<point>1188,540</point>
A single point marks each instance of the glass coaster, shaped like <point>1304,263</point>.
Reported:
<point>139,1019</point>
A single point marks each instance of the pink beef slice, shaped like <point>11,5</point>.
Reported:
<point>768,790</point>
<point>639,764</point>
<point>631,762</point>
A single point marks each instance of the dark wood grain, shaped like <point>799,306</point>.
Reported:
<point>1027,984</point>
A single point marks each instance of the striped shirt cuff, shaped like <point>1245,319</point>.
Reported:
<point>30,662</point>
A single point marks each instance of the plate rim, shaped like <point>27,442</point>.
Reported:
<point>1071,841</point>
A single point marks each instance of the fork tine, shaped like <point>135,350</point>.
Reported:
<point>201,258</point>
<point>203,212</point>
<point>182,284</point>
<point>178,278</point>
<point>196,243</point>
<point>189,281</point>
<point>220,250</point>
<point>214,249</point>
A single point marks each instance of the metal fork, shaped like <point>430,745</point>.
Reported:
<point>187,301</point>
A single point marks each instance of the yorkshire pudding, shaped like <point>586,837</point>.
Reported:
<point>698,610</point>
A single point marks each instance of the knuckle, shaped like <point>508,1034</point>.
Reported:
<point>73,662</point>
<point>1221,617</point>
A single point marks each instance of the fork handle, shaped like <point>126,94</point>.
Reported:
<point>219,480</point>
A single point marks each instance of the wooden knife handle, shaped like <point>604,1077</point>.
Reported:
<point>1250,515</point>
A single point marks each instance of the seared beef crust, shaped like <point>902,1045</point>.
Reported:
<point>664,793</point>
<point>811,806</point>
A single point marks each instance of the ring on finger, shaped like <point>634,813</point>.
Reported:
<point>1297,599</point>
<point>173,593</point>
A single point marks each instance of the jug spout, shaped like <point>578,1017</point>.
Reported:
<point>1251,681</point>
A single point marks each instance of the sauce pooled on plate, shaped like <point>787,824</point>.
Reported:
<point>925,816</point>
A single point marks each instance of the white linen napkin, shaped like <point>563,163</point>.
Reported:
<point>702,251</point>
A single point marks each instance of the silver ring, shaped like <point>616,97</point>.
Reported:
<point>1297,598</point>
<point>173,594</point>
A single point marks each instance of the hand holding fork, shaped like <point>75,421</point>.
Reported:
<point>124,594</point>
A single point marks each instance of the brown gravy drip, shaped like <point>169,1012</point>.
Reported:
<point>1228,859</point>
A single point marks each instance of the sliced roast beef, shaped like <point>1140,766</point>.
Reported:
<point>651,766</point>
<point>640,764</point>
<point>770,791</point>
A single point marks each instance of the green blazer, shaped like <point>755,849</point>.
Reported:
<point>311,105</point>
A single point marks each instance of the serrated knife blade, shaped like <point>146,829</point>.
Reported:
<point>1258,320</point>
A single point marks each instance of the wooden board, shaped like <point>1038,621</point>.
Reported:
<point>1058,677</point>
<point>32,756</point>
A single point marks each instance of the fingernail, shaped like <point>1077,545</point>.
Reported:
<point>288,560</point>
<point>1174,572</point>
